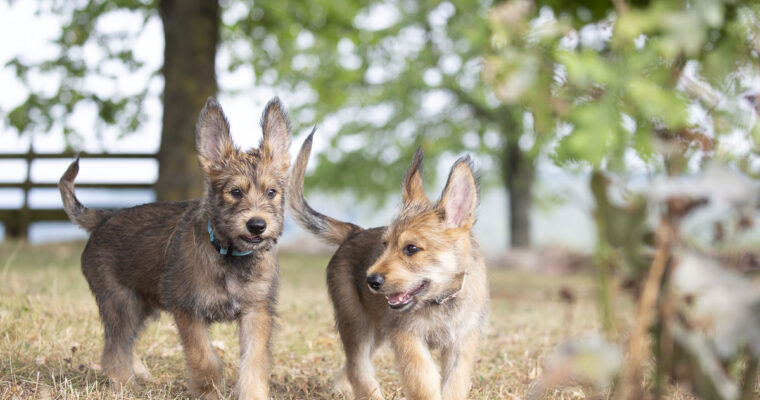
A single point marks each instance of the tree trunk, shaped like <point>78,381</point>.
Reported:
<point>518,171</point>
<point>191,34</point>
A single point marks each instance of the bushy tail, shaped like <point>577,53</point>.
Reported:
<point>78,214</point>
<point>328,229</point>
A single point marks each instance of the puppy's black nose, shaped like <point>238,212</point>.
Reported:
<point>375,281</point>
<point>256,226</point>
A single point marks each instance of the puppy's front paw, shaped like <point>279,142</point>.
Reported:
<point>251,392</point>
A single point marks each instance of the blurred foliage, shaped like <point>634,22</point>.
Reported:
<point>659,85</point>
<point>396,74</point>
<point>698,307</point>
<point>715,331</point>
<point>620,81</point>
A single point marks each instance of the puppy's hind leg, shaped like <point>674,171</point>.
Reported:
<point>122,315</point>
<point>359,345</point>
<point>138,367</point>
<point>342,385</point>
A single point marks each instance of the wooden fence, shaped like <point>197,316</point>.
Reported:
<point>16,221</point>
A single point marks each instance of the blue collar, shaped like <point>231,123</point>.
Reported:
<point>225,250</point>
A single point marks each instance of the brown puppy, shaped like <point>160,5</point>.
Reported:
<point>419,283</point>
<point>203,260</point>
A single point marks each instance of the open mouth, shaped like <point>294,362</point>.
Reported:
<point>255,239</point>
<point>400,300</point>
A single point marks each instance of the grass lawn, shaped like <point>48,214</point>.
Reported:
<point>51,338</point>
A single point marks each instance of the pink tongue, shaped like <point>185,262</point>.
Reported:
<point>398,298</point>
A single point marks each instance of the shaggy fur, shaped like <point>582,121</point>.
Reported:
<point>158,256</point>
<point>419,283</point>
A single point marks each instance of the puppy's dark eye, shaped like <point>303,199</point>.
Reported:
<point>385,244</point>
<point>236,193</point>
<point>411,250</point>
<point>271,193</point>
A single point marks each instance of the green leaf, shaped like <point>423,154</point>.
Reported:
<point>586,69</point>
<point>596,129</point>
<point>655,102</point>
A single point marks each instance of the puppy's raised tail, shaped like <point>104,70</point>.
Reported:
<point>328,229</point>
<point>85,217</point>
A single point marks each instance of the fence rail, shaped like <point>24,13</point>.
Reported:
<point>17,221</point>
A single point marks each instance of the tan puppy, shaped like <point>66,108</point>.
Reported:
<point>419,283</point>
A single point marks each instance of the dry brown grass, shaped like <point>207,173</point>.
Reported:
<point>50,336</point>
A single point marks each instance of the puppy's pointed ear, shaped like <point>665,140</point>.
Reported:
<point>212,135</point>
<point>412,187</point>
<point>276,137</point>
<point>460,196</point>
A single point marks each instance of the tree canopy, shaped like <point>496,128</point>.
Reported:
<point>631,79</point>
<point>394,75</point>
<point>599,84</point>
